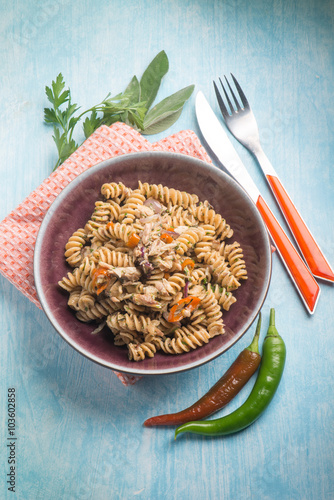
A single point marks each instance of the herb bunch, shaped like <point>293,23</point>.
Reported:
<point>133,107</point>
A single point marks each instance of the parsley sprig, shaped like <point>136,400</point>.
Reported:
<point>133,107</point>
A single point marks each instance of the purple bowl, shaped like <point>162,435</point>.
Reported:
<point>74,206</point>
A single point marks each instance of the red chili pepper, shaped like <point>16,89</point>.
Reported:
<point>222,392</point>
<point>98,273</point>
<point>166,238</point>
<point>182,308</point>
<point>188,263</point>
<point>133,240</point>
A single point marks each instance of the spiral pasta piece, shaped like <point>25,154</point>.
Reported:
<point>213,313</point>
<point>193,336</point>
<point>166,195</point>
<point>131,322</point>
<point>138,352</point>
<point>76,279</point>
<point>178,216</point>
<point>112,257</point>
<point>125,338</point>
<point>110,305</point>
<point>177,281</point>
<point>198,317</point>
<point>129,209</point>
<point>92,226</point>
<point>198,275</point>
<point>106,211</point>
<point>188,239</point>
<point>101,212</point>
<point>114,190</point>
<point>74,247</point>
<point>115,230</point>
<point>204,246</point>
<point>224,298</point>
<point>73,299</point>
<point>204,213</point>
<point>97,311</point>
<point>235,257</point>
<point>154,276</point>
<point>86,300</point>
<point>88,266</point>
<point>185,339</point>
<point>221,272</point>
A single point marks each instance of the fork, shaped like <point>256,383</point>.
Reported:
<point>241,122</point>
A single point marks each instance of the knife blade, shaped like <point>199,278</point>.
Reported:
<point>218,141</point>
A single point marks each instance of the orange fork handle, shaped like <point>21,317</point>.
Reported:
<point>305,283</point>
<point>309,248</point>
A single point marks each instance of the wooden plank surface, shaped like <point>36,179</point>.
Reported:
<point>80,433</point>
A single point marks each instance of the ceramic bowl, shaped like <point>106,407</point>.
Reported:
<point>74,206</point>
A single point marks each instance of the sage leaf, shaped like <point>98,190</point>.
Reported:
<point>151,78</point>
<point>132,91</point>
<point>165,121</point>
<point>166,112</point>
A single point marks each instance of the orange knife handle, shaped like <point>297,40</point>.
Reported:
<point>307,287</point>
<point>307,244</point>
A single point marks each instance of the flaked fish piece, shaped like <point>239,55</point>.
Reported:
<point>115,291</point>
<point>164,287</point>
<point>158,247</point>
<point>145,236</point>
<point>180,229</point>
<point>144,210</point>
<point>145,299</point>
<point>126,274</point>
<point>164,264</point>
<point>150,289</point>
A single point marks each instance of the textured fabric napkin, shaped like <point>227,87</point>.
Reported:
<point>18,231</point>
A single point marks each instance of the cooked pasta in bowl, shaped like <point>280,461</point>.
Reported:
<point>152,263</point>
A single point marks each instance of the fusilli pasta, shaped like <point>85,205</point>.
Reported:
<point>155,265</point>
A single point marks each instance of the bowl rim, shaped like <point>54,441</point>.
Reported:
<point>47,310</point>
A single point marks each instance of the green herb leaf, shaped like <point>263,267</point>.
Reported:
<point>65,148</point>
<point>162,123</point>
<point>91,123</point>
<point>130,107</point>
<point>50,116</point>
<point>166,112</point>
<point>56,96</point>
<point>71,109</point>
<point>49,94</point>
<point>152,76</point>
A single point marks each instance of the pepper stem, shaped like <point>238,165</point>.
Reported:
<point>254,346</point>
<point>272,317</point>
<point>272,331</point>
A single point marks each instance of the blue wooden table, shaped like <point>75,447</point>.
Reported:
<point>80,433</point>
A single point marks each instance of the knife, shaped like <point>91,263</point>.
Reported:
<point>216,138</point>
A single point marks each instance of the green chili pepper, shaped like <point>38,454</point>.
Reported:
<point>222,392</point>
<point>267,382</point>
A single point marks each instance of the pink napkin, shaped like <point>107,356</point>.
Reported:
<point>18,231</point>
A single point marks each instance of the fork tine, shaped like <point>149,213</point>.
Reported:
<point>241,94</point>
<point>226,95</point>
<point>222,106</point>
<point>237,105</point>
